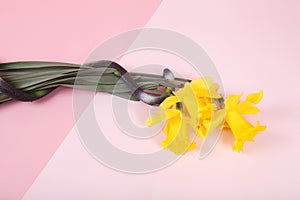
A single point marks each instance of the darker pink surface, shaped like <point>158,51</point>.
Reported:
<point>57,31</point>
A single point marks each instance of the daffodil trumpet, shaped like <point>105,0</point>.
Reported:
<point>187,107</point>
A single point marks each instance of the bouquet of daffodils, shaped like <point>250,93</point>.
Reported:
<point>186,106</point>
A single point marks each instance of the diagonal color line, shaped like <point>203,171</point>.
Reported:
<point>62,142</point>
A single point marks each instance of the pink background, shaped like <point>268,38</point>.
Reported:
<point>254,44</point>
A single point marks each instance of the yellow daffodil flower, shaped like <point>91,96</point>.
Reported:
<point>241,129</point>
<point>184,111</point>
<point>181,112</point>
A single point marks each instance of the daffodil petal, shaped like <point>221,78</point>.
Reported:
<point>205,87</point>
<point>247,107</point>
<point>161,116</point>
<point>216,121</point>
<point>187,96</point>
<point>171,130</point>
<point>232,101</point>
<point>238,145</point>
<point>202,83</point>
<point>181,142</point>
<point>168,102</point>
<point>255,98</point>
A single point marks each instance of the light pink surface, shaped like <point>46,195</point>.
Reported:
<point>255,45</point>
<point>57,31</point>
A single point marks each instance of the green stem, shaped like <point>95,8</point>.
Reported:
<point>35,77</point>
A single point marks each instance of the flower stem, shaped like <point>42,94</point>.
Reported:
<point>39,78</point>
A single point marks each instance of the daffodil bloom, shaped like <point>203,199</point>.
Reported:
<point>191,108</point>
<point>180,111</point>
<point>195,107</point>
<point>241,129</point>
